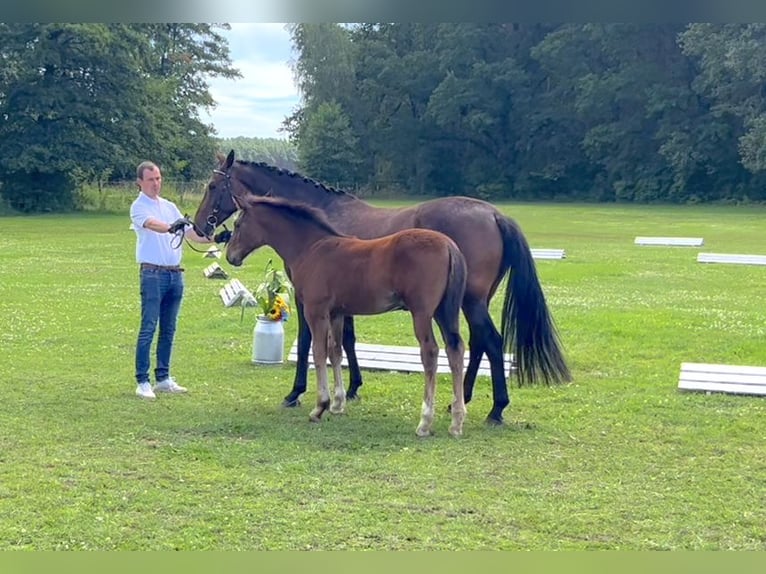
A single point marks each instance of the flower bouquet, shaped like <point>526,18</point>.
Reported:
<point>273,294</point>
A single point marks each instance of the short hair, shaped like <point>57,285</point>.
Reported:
<point>143,166</point>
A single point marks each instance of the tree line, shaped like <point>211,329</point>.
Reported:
<point>587,112</point>
<point>83,102</point>
<point>577,112</point>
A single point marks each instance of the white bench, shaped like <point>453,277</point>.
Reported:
<point>214,271</point>
<point>731,258</point>
<point>234,292</point>
<point>722,378</point>
<point>548,253</point>
<point>213,252</point>
<point>674,241</point>
<point>399,359</point>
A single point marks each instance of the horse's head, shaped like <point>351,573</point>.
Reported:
<point>248,234</point>
<point>218,203</point>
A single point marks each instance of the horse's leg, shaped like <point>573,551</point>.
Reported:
<point>320,327</point>
<point>455,350</point>
<point>429,352</point>
<point>482,328</point>
<point>338,405</point>
<point>475,352</point>
<point>302,364</point>
<point>349,345</point>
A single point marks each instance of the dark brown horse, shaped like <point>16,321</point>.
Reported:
<point>492,245</point>
<point>419,270</point>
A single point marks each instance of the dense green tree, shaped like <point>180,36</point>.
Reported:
<point>180,59</point>
<point>730,142</point>
<point>328,147</point>
<point>72,102</point>
<point>274,151</point>
<point>89,100</point>
<point>615,112</point>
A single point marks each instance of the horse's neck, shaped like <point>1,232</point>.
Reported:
<point>347,213</point>
<point>363,220</point>
<point>291,241</point>
<point>294,188</point>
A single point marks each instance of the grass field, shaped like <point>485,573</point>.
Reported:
<point>618,459</point>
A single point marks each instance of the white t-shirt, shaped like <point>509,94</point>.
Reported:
<point>153,247</point>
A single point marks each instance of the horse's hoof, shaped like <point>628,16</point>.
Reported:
<point>354,397</point>
<point>289,404</point>
<point>337,411</point>
<point>456,433</point>
<point>314,418</point>
<point>424,433</point>
<point>495,422</point>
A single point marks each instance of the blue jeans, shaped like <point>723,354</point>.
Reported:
<point>161,294</point>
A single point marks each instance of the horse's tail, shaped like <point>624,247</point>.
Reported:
<point>527,326</point>
<point>449,306</point>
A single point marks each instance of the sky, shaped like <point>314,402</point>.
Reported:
<point>255,104</point>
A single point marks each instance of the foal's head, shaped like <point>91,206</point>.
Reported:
<point>276,222</point>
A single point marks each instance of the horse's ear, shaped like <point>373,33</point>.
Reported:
<point>229,160</point>
<point>239,201</point>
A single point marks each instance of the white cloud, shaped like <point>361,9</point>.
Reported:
<point>256,104</point>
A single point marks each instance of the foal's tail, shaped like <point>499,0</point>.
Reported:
<point>527,326</point>
<point>448,311</point>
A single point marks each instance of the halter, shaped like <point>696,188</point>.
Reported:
<point>212,220</point>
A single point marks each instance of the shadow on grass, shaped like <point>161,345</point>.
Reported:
<point>361,428</point>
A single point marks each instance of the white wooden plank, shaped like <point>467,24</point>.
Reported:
<point>234,292</point>
<point>399,359</point>
<point>729,388</point>
<point>672,241</point>
<point>548,253</point>
<point>213,252</point>
<point>734,258</point>
<point>214,271</point>
<point>723,369</point>
<point>736,379</point>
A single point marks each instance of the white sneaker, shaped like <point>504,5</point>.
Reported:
<point>169,386</point>
<point>144,390</point>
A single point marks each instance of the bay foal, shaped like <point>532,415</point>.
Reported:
<point>419,270</point>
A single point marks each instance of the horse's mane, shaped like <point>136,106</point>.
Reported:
<point>286,172</point>
<point>297,211</point>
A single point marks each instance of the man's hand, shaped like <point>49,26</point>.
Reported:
<point>179,225</point>
<point>222,237</point>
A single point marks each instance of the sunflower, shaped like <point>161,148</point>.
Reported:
<point>272,294</point>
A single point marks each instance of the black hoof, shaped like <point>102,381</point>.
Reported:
<point>291,403</point>
<point>495,422</point>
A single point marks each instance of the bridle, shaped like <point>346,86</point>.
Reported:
<point>212,219</point>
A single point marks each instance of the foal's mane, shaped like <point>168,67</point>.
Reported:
<point>298,212</point>
<point>291,174</point>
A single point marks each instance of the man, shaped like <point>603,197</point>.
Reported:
<point>159,226</point>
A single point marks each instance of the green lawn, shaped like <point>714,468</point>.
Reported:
<point>618,459</point>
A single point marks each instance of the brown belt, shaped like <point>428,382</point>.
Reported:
<point>176,268</point>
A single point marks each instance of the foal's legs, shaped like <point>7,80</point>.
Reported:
<point>302,364</point>
<point>338,405</point>
<point>320,327</point>
<point>429,352</point>
<point>455,350</point>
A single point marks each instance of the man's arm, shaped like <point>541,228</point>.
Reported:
<point>191,234</point>
<point>156,225</point>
